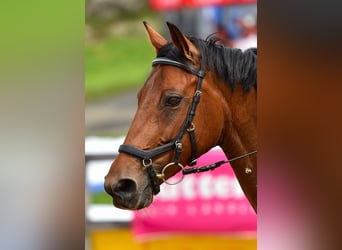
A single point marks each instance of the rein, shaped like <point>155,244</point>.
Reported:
<point>187,126</point>
<point>214,165</point>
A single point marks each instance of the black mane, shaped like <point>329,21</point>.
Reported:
<point>230,64</point>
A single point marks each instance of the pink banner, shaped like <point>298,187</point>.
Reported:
<point>202,203</point>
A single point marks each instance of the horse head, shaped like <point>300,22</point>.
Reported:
<point>180,116</point>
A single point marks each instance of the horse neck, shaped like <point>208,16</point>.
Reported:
<point>239,136</point>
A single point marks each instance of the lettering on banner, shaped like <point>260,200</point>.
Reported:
<point>195,210</point>
<point>205,195</point>
<point>205,187</point>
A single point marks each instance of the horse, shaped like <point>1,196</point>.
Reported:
<point>199,94</point>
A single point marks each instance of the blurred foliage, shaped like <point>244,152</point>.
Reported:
<point>102,27</point>
<point>116,64</point>
<point>101,198</point>
<point>36,34</point>
<point>118,54</point>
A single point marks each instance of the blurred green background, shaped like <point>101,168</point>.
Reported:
<point>118,58</point>
<point>117,50</point>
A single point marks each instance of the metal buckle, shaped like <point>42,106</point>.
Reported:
<point>198,93</point>
<point>192,128</point>
<point>179,146</point>
<point>147,164</point>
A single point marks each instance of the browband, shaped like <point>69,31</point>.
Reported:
<point>162,60</point>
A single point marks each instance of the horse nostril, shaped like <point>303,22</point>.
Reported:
<point>125,188</point>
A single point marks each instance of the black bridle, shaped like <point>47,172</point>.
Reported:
<point>147,155</point>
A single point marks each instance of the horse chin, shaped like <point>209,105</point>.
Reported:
<point>139,201</point>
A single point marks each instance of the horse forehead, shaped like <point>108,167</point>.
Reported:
<point>168,77</point>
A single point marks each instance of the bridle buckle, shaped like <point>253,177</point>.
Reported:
<point>147,162</point>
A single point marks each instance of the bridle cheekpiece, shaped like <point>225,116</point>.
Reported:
<point>187,126</point>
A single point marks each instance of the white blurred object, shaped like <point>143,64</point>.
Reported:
<point>96,169</point>
<point>102,145</point>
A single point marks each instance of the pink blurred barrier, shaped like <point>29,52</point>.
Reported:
<point>202,203</point>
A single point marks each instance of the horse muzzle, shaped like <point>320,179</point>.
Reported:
<point>127,194</point>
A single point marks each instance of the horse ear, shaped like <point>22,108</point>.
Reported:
<point>156,39</point>
<point>187,48</point>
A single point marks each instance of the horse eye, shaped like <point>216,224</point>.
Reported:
<point>173,100</point>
